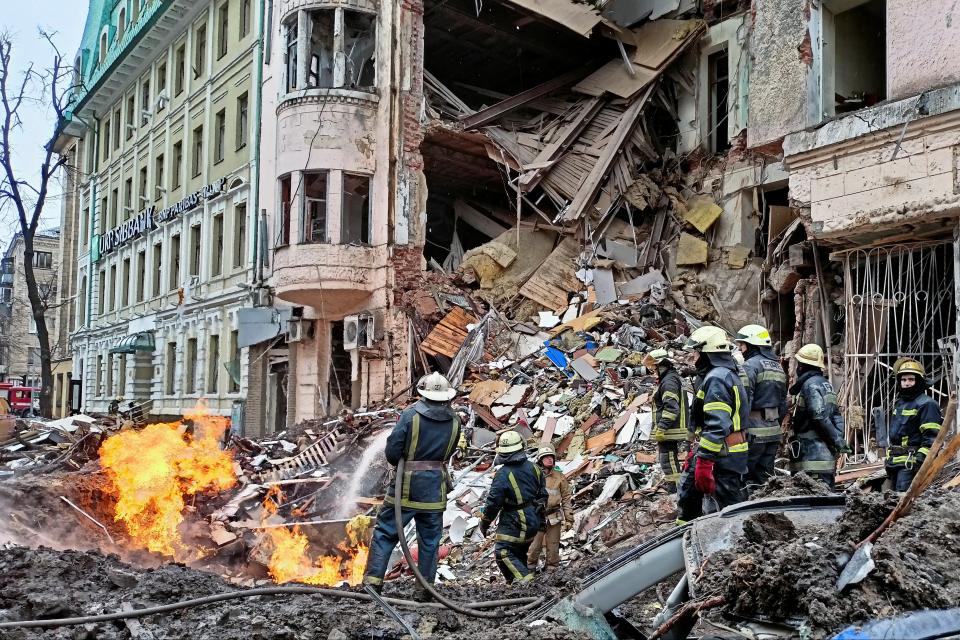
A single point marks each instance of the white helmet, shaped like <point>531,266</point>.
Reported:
<point>436,387</point>
<point>754,334</point>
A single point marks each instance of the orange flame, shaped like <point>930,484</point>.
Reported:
<point>153,470</point>
<point>290,559</point>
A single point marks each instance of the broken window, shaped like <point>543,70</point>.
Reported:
<point>359,48</point>
<point>854,55</point>
<point>292,33</point>
<point>321,48</point>
<point>341,51</point>
<point>719,92</point>
<point>355,215</point>
<point>283,233</point>
<point>315,207</point>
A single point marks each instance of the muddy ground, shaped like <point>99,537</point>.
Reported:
<point>782,573</point>
<point>43,583</point>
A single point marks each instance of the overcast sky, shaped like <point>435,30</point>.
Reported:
<point>22,19</point>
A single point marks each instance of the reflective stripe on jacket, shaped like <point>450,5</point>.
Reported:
<point>518,495</point>
<point>426,432</point>
<point>720,412</point>
<point>670,408</point>
<point>768,396</point>
<point>914,425</point>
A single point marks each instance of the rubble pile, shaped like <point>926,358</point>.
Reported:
<point>779,573</point>
<point>33,580</point>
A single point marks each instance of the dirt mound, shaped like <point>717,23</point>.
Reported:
<point>786,486</point>
<point>777,573</point>
<point>44,583</point>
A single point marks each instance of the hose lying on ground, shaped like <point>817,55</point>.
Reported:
<point>467,609</point>
<point>233,595</point>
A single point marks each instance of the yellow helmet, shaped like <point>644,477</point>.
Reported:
<point>655,357</point>
<point>709,339</point>
<point>509,442</point>
<point>754,334</point>
<point>908,365</point>
<point>811,354</point>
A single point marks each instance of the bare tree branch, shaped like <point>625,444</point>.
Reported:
<point>13,95</point>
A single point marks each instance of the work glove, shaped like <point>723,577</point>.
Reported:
<point>703,478</point>
<point>918,460</point>
<point>842,446</point>
<point>484,528</point>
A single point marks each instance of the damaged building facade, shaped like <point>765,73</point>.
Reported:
<point>389,154</point>
<point>160,139</point>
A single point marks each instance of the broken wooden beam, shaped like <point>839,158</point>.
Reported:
<point>491,113</point>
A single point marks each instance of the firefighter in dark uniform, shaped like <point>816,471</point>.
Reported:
<point>818,428</point>
<point>519,496</point>
<point>768,401</point>
<point>914,426</point>
<point>669,415</point>
<point>425,437</point>
<point>719,417</point>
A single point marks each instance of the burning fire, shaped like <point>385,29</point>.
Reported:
<point>155,469</point>
<point>290,560</point>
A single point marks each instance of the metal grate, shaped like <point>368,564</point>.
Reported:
<point>899,302</point>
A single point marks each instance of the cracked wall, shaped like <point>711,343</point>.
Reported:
<point>781,60</point>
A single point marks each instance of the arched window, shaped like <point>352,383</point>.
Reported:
<point>122,24</point>
<point>103,47</point>
<point>136,12</point>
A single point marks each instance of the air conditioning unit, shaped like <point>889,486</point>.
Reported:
<point>162,100</point>
<point>261,297</point>
<point>358,332</point>
<point>298,330</point>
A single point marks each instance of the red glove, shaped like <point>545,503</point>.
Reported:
<point>703,476</point>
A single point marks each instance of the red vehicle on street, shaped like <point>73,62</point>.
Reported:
<point>22,400</point>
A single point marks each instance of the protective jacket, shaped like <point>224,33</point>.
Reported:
<point>719,415</point>
<point>425,437</point>
<point>519,496</point>
<point>768,395</point>
<point>559,498</point>
<point>670,408</point>
<point>817,424</point>
<point>913,428</point>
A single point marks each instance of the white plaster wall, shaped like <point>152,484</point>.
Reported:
<point>923,45</point>
<point>859,185</point>
<point>778,76</point>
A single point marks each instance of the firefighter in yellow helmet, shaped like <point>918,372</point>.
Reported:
<point>559,511</point>
<point>669,415</point>
<point>518,495</point>
<point>818,427</point>
<point>914,426</point>
<point>717,465</point>
<point>768,401</point>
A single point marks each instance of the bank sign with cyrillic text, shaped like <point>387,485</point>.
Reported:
<point>150,219</point>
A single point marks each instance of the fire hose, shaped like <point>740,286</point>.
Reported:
<point>467,609</point>
<point>233,595</point>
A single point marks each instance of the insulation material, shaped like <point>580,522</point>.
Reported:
<point>691,250</point>
<point>702,212</point>
<point>555,278</point>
